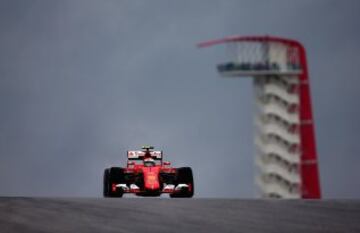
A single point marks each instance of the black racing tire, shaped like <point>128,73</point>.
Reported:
<point>113,175</point>
<point>184,175</point>
<point>106,183</point>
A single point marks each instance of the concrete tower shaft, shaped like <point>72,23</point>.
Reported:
<point>285,151</point>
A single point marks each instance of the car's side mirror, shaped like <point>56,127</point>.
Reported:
<point>166,163</point>
<point>130,164</point>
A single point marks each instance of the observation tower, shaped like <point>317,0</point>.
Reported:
<point>285,149</point>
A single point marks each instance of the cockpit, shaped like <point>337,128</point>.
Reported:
<point>149,163</point>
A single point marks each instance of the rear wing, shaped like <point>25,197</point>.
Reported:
<point>138,154</point>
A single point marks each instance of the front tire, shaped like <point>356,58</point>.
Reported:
<point>106,183</point>
<point>184,175</point>
<point>113,175</point>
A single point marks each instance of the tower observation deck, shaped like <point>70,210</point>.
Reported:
<point>285,149</point>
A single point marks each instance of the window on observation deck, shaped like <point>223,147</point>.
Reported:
<point>247,66</point>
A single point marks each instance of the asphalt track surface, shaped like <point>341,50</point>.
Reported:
<point>176,215</point>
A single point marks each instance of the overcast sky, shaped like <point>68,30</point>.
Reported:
<point>81,82</point>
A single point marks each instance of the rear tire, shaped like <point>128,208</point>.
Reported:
<point>184,175</point>
<point>113,175</point>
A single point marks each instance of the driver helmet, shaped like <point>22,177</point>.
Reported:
<point>149,162</point>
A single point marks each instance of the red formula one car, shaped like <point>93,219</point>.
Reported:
<point>147,175</point>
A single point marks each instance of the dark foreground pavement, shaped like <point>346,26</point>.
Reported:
<point>176,215</point>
